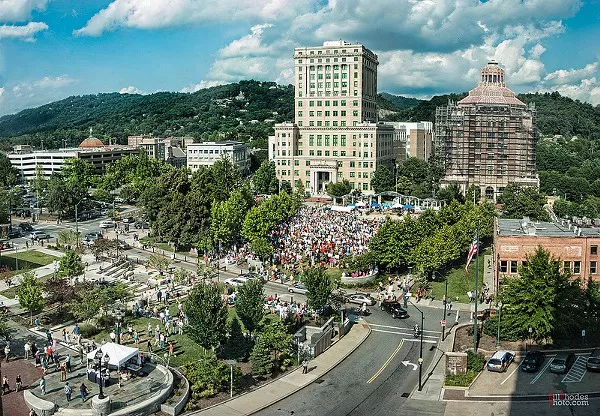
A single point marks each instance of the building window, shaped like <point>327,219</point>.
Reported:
<point>566,266</point>
<point>308,173</point>
<point>326,152</point>
<point>365,186</point>
<point>352,164</point>
<point>296,162</point>
<point>343,153</point>
<point>308,163</point>
<point>311,153</point>
<point>319,153</point>
<point>576,267</point>
<point>503,266</point>
<point>352,174</point>
<point>594,250</point>
<point>513,266</point>
<point>593,267</point>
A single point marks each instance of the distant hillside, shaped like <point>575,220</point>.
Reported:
<point>399,102</point>
<point>246,110</point>
<point>247,107</point>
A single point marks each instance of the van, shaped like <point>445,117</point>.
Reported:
<point>500,361</point>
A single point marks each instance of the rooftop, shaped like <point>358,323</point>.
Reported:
<point>491,88</point>
<point>525,227</point>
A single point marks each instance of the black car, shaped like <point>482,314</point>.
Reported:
<point>533,361</point>
<point>593,361</point>
<point>562,363</point>
<point>395,309</point>
<point>25,226</point>
<point>16,232</point>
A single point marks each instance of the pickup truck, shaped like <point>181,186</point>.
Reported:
<point>394,308</point>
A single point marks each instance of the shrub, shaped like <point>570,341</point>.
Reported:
<point>106,321</point>
<point>88,330</point>
<point>208,376</point>
<point>475,361</point>
<point>461,380</point>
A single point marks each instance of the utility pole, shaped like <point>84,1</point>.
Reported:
<point>476,295</point>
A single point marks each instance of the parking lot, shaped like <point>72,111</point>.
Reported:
<point>517,382</point>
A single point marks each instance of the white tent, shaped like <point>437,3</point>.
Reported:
<point>118,354</point>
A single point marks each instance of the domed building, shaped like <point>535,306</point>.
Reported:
<point>488,138</point>
<point>91,142</point>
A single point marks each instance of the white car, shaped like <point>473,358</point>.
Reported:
<point>360,298</point>
<point>236,281</point>
<point>107,224</point>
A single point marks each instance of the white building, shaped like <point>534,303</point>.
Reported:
<point>412,139</point>
<point>91,150</point>
<point>207,153</point>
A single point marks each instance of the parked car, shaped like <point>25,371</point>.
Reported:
<point>107,224</point>
<point>141,225</point>
<point>39,235</point>
<point>25,226</point>
<point>593,361</point>
<point>562,363</point>
<point>533,361</point>
<point>93,236</point>
<point>253,276</point>
<point>235,281</point>
<point>360,299</point>
<point>16,232</point>
<point>500,361</point>
<point>128,220</point>
<point>298,288</point>
<point>394,308</point>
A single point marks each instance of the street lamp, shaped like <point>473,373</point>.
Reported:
<point>421,347</point>
<point>118,314</point>
<point>443,322</point>
<point>231,364</point>
<point>76,220</point>
<point>16,255</point>
<point>98,361</point>
<point>499,316</point>
<point>167,358</point>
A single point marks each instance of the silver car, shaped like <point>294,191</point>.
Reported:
<point>298,288</point>
<point>360,299</point>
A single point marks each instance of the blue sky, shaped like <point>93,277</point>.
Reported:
<point>50,49</point>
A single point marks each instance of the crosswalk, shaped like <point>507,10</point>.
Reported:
<point>577,371</point>
<point>429,337</point>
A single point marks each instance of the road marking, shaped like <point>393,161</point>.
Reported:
<point>407,363</point>
<point>425,341</point>
<point>539,374</point>
<point>402,333</point>
<point>389,360</point>
<point>397,327</point>
<point>510,375</point>
<point>577,371</point>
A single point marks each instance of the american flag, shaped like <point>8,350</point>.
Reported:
<point>472,252</point>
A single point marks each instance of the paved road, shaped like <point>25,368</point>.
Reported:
<point>373,379</point>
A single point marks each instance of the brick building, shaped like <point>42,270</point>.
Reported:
<point>576,248</point>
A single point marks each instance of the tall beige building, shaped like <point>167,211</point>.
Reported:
<point>335,135</point>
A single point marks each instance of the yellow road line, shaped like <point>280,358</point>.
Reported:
<point>389,360</point>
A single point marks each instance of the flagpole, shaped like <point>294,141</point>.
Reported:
<point>476,290</point>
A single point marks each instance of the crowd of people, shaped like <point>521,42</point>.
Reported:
<point>320,236</point>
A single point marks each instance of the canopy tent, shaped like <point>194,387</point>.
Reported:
<point>374,204</point>
<point>408,206</point>
<point>361,204</point>
<point>397,205</point>
<point>118,354</point>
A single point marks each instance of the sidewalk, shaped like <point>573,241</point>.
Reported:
<point>289,384</point>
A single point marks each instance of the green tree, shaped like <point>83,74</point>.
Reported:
<point>250,304</point>
<point>208,376</point>
<point>207,314</point>
<point>275,336</point>
<point>260,358</point>
<point>473,193</point>
<point>30,294</point>
<point>227,217</point>
<point>320,286</point>
<point>70,265</point>
<point>6,330</point>
<point>339,189</point>
<point>67,237</point>
<point>518,202</point>
<point>541,298</point>
<point>236,347</point>
<point>8,174</point>
<point>451,193</point>
<point>383,179</point>
<point>265,180</point>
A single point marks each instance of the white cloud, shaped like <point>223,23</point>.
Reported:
<point>586,90</point>
<point>202,85</point>
<point>144,14</point>
<point>30,89</point>
<point>19,10</point>
<point>130,90</point>
<point>26,32</point>
<point>569,76</point>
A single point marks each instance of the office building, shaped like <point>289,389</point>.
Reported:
<point>207,153</point>
<point>574,246</point>
<point>412,139</point>
<point>488,138</point>
<point>335,134</point>
<point>169,149</point>
<point>92,150</point>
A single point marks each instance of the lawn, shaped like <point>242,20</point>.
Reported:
<point>151,241</point>
<point>458,283</point>
<point>27,260</point>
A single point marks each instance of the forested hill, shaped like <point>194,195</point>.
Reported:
<point>239,107</point>
<point>243,110</point>
<point>556,114</point>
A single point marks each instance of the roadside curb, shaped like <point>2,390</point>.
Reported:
<point>511,398</point>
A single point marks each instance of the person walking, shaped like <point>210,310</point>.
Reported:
<point>149,345</point>
<point>83,390</point>
<point>7,351</point>
<point>68,391</point>
<point>5,385</point>
<point>19,382</point>
<point>305,366</point>
<point>171,348</point>
<point>63,372</point>
<point>43,385</point>
<point>27,348</point>
<point>68,362</point>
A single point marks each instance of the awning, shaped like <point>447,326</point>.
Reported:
<point>118,354</point>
